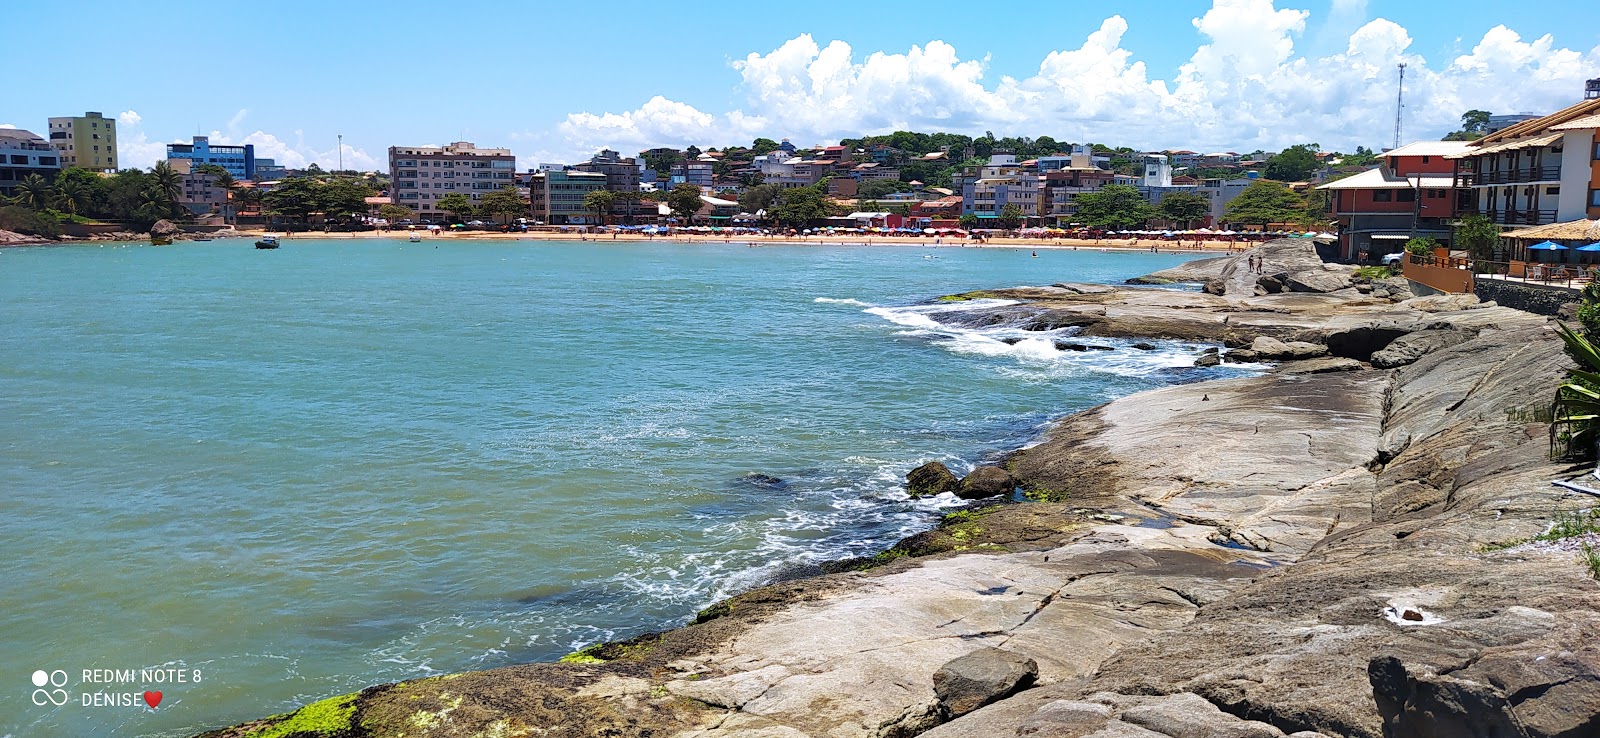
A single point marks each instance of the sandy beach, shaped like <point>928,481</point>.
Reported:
<point>751,239</point>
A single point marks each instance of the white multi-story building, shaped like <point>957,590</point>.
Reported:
<point>421,175</point>
<point>22,153</point>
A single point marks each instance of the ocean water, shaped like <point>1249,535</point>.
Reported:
<point>305,471</point>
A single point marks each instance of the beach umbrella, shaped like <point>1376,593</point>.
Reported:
<point>1547,246</point>
<point>1589,247</point>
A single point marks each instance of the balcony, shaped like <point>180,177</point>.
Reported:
<point>1515,217</point>
<point>1509,176</point>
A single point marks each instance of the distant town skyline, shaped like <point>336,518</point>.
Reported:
<point>564,81</point>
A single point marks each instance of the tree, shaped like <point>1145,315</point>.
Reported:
<point>1474,124</point>
<point>693,152</point>
<point>342,197</point>
<point>759,197</point>
<point>457,205</point>
<point>1293,164</point>
<point>801,205</point>
<point>1422,246</point>
<point>1266,202</point>
<point>1185,207</point>
<point>165,181</point>
<point>34,192</point>
<point>600,202</point>
<point>1479,236</point>
<point>81,192</point>
<point>395,213</point>
<point>295,198</point>
<point>1010,215</point>
<point>763,146</point>
<point>873,189</point>
<point>504,202</point>
<point>685,201</point>
<point>1118,207</point>
<point>22,220</point>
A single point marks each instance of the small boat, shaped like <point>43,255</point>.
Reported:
<point>161,240</point>
<point>268,241</point>
<point>201,238</point>
<point>416,238</point>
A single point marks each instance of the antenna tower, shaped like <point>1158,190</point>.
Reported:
<point>1399,104</point>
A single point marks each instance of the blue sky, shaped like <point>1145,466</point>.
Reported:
<point>555,80</point>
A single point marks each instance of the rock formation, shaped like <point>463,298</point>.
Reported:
<point>1316,550</point>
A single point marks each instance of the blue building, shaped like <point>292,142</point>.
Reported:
<point>240,161</point>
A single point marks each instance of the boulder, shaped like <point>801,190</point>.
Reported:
<point>762,480</point>
<point>1241,356</point>
<point>1267,348</point>
<point>982,677</point>
<point>1143,346</point>
<point>1327,279</point>
<point>165,228</point>
<point>1070,346</point>
<point>986,481</point>
<point>1208,360</point>
<point>1361,342</point>
<point>1412,346</point>
<point>1320,365</point>
<point>1188,715</point>
<point>1271,284</point>
<point>931,478</point>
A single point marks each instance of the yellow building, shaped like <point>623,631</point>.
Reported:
<point>88,141</point>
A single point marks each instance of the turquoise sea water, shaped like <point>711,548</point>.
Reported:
<point>341,463</point>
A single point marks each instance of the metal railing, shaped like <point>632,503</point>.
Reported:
<point>1510,176</point>
<point>1513,217</point>
<point>1570,276</point>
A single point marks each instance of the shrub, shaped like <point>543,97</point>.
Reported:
<point>1422,246</point>
<point>23,220</point>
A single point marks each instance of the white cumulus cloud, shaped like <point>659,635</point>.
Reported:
<point>1246,85</point>
<point>129,118</point>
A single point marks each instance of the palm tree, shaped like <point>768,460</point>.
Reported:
<point>72,196</point>
<point>166,181</point>
<point>34,192</point>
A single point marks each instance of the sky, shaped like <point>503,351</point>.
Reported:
<point>555,82</point>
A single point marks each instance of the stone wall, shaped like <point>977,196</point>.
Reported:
<point>1538,299</point>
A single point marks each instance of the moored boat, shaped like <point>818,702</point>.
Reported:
<point>268,241</point>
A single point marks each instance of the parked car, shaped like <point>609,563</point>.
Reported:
<point>1394,258</point>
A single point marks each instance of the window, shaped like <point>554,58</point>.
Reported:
<point>1553,190</point>
<point>1406,196</point>
<point>1597,149</point>
<point>1382,195</point>
<point>1594,198</point>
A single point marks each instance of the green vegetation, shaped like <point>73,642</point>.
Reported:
<point>1043,494</point>
<point>457,205</point>
<point>801,205</point>
<point>965,296</point>
<point>393,213</point>
<point>335,198</point>
<point>685,202</point>
<point>600,202</point>
<point>1184,207</point>
<point>22,220</point>
<point>1474,124</point>
<point>329,718</point>
<point>1115,207</point>
<point>1577,402</point>
<point>1373,273</point>
<point>583,656</point>
<point>1421,246</point>
<point>506,204</point>
<point>1479,236</point>
<point>1294,164</point>
<point>1564,525</point>
<point>1267,202</point>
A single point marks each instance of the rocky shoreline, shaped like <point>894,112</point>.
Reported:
<point>1317,550</point>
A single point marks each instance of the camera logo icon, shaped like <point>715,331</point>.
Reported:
<point>44,695</point>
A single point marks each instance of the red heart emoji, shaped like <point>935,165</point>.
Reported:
<point>152,699</point>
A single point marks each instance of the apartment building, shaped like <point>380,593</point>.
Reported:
<point>1000,183</point>
<point>420,175</point>
<point>1537,172</point>
<point>23,153</point>
<point>88,141</point>
<point>239,161</point>
<point>556,196</point>
<point>200,192</point>
<point>697,173</point>
<point>622,173</point>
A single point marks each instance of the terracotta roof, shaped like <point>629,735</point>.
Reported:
<point>1429,148</point>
